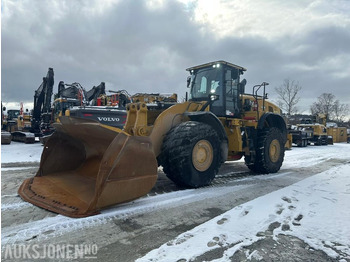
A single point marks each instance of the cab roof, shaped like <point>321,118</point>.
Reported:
<point>214,63</point>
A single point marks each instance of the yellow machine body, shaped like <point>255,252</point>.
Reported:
<point>87,166</point>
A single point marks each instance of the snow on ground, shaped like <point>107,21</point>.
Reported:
<point>315,210</point>
<point>20,152</point>
<point>61,224</point>
<point>315,155</point>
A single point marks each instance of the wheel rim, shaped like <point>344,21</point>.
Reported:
<point>274,150</point>
<point>202,155</point>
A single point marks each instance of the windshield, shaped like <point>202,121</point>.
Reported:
<point>12,114</point>
<point>206,82</point>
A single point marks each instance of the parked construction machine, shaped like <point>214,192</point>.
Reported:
<point>17,123</point>
<point>10,121</point>
<point>317,127</point>
<point>111,109</point>
<point>338,133</point>
<point>73,100</point>
<point>300,135</point>
<point>106,109</point>
<point>87,166</point>
<point>41,116</point>
<point>22,133</point>
<point>5,135</point>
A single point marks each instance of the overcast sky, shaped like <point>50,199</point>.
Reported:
<point>145,46</point>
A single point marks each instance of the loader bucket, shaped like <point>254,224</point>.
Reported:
<point>86,166</point>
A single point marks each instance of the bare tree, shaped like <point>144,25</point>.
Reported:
<point>324,105</point>
<point>340,111</point>
<point>288,96</point>
<point>327,104</point>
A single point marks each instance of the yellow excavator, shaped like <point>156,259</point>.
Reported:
<point>87,166</point>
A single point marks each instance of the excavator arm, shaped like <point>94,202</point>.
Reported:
<point>42,103</point>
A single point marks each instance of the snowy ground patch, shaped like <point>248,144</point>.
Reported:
<point>315,210</point>
<point>20,152</point>
<point>313,155</point>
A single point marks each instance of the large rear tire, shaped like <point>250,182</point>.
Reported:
<point>191,154</point>
<point>269,152</point>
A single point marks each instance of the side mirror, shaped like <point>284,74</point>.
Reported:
<point>242,86</point>
<point>188,81</point>
<point>4,109</point>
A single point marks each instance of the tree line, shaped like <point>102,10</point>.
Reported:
<point>326,103</point>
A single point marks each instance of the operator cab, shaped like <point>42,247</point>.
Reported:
<point>13,114</point>
<point>220,81</point>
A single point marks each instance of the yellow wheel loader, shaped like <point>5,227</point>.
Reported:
<point>87,166</point>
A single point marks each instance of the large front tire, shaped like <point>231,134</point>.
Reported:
<point>191,154</point>
<point>269,152</point>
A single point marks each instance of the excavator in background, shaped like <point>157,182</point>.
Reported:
<point>5,135</point>
<point>68,96</point>
<point>87,166</point>
<point>94,104</point>
<point>41,123</point>
<point>73,99</point>
<point>18,125</point>
<point>23,127</point>
<point>111,109</point>
<point>45,113</point>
